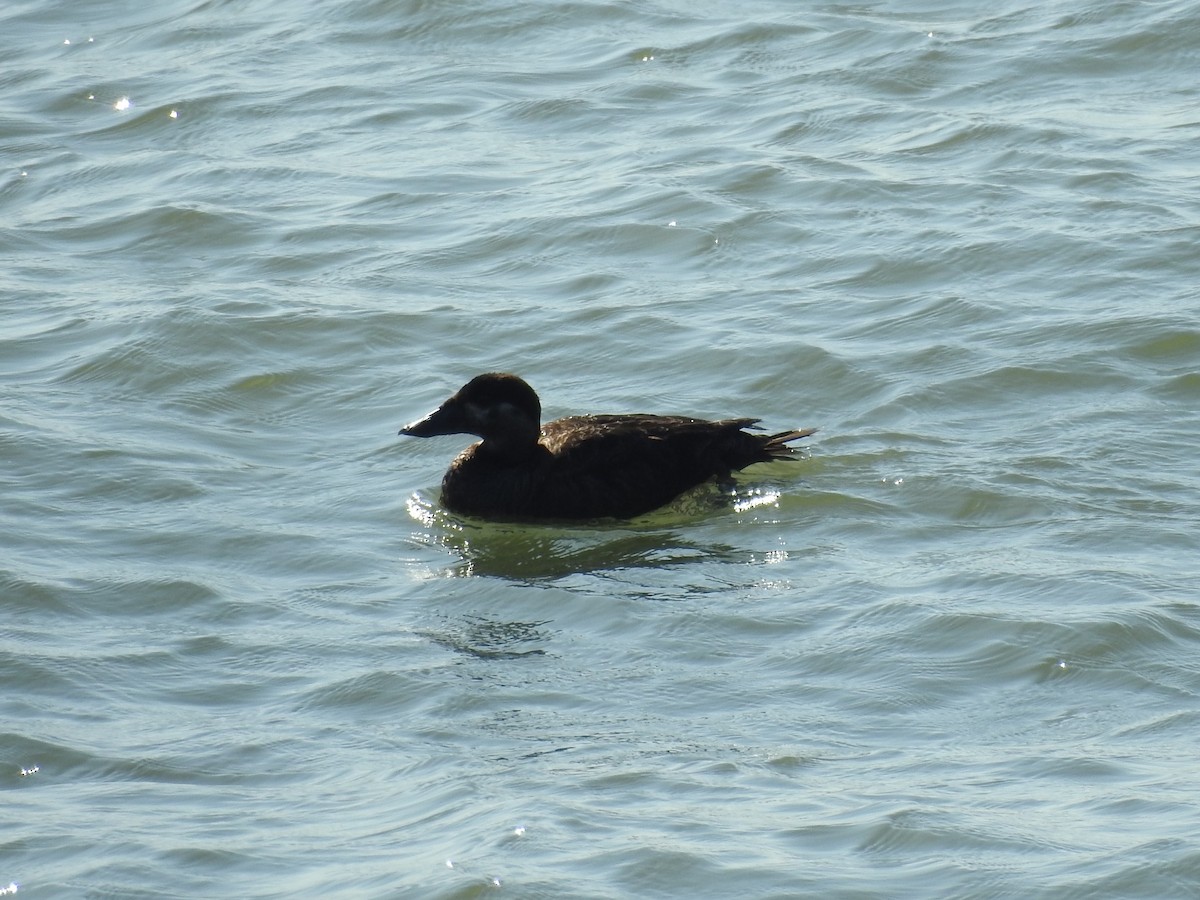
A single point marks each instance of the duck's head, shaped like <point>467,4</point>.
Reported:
<point>498,407</point>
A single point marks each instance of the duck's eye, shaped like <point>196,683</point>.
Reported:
<point>493,412</point>
<point>505,411</point>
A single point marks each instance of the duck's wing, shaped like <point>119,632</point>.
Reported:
<point>574,432</point>
<point>626,465</point>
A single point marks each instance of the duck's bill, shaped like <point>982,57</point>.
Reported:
<point>446,419</point>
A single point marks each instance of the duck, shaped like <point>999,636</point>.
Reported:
<point>582,467</point>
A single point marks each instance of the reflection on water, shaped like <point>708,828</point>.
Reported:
<point>490,638</point>
<point>535,551</point>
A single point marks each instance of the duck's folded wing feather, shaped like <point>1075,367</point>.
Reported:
<point>626,465</point>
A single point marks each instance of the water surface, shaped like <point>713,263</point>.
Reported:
<point>951,653</point>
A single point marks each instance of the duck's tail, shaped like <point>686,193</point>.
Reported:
<point>776,446</point>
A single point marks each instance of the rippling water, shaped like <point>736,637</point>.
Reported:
<point>953,652</point>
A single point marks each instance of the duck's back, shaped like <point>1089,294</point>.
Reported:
<point>599,466</point>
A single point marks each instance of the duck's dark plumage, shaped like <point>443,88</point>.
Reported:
<point>581,467</point>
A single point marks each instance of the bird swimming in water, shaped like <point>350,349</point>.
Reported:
<point>582,467</point>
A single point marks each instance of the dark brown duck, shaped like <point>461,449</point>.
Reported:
<point>581,467</point>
